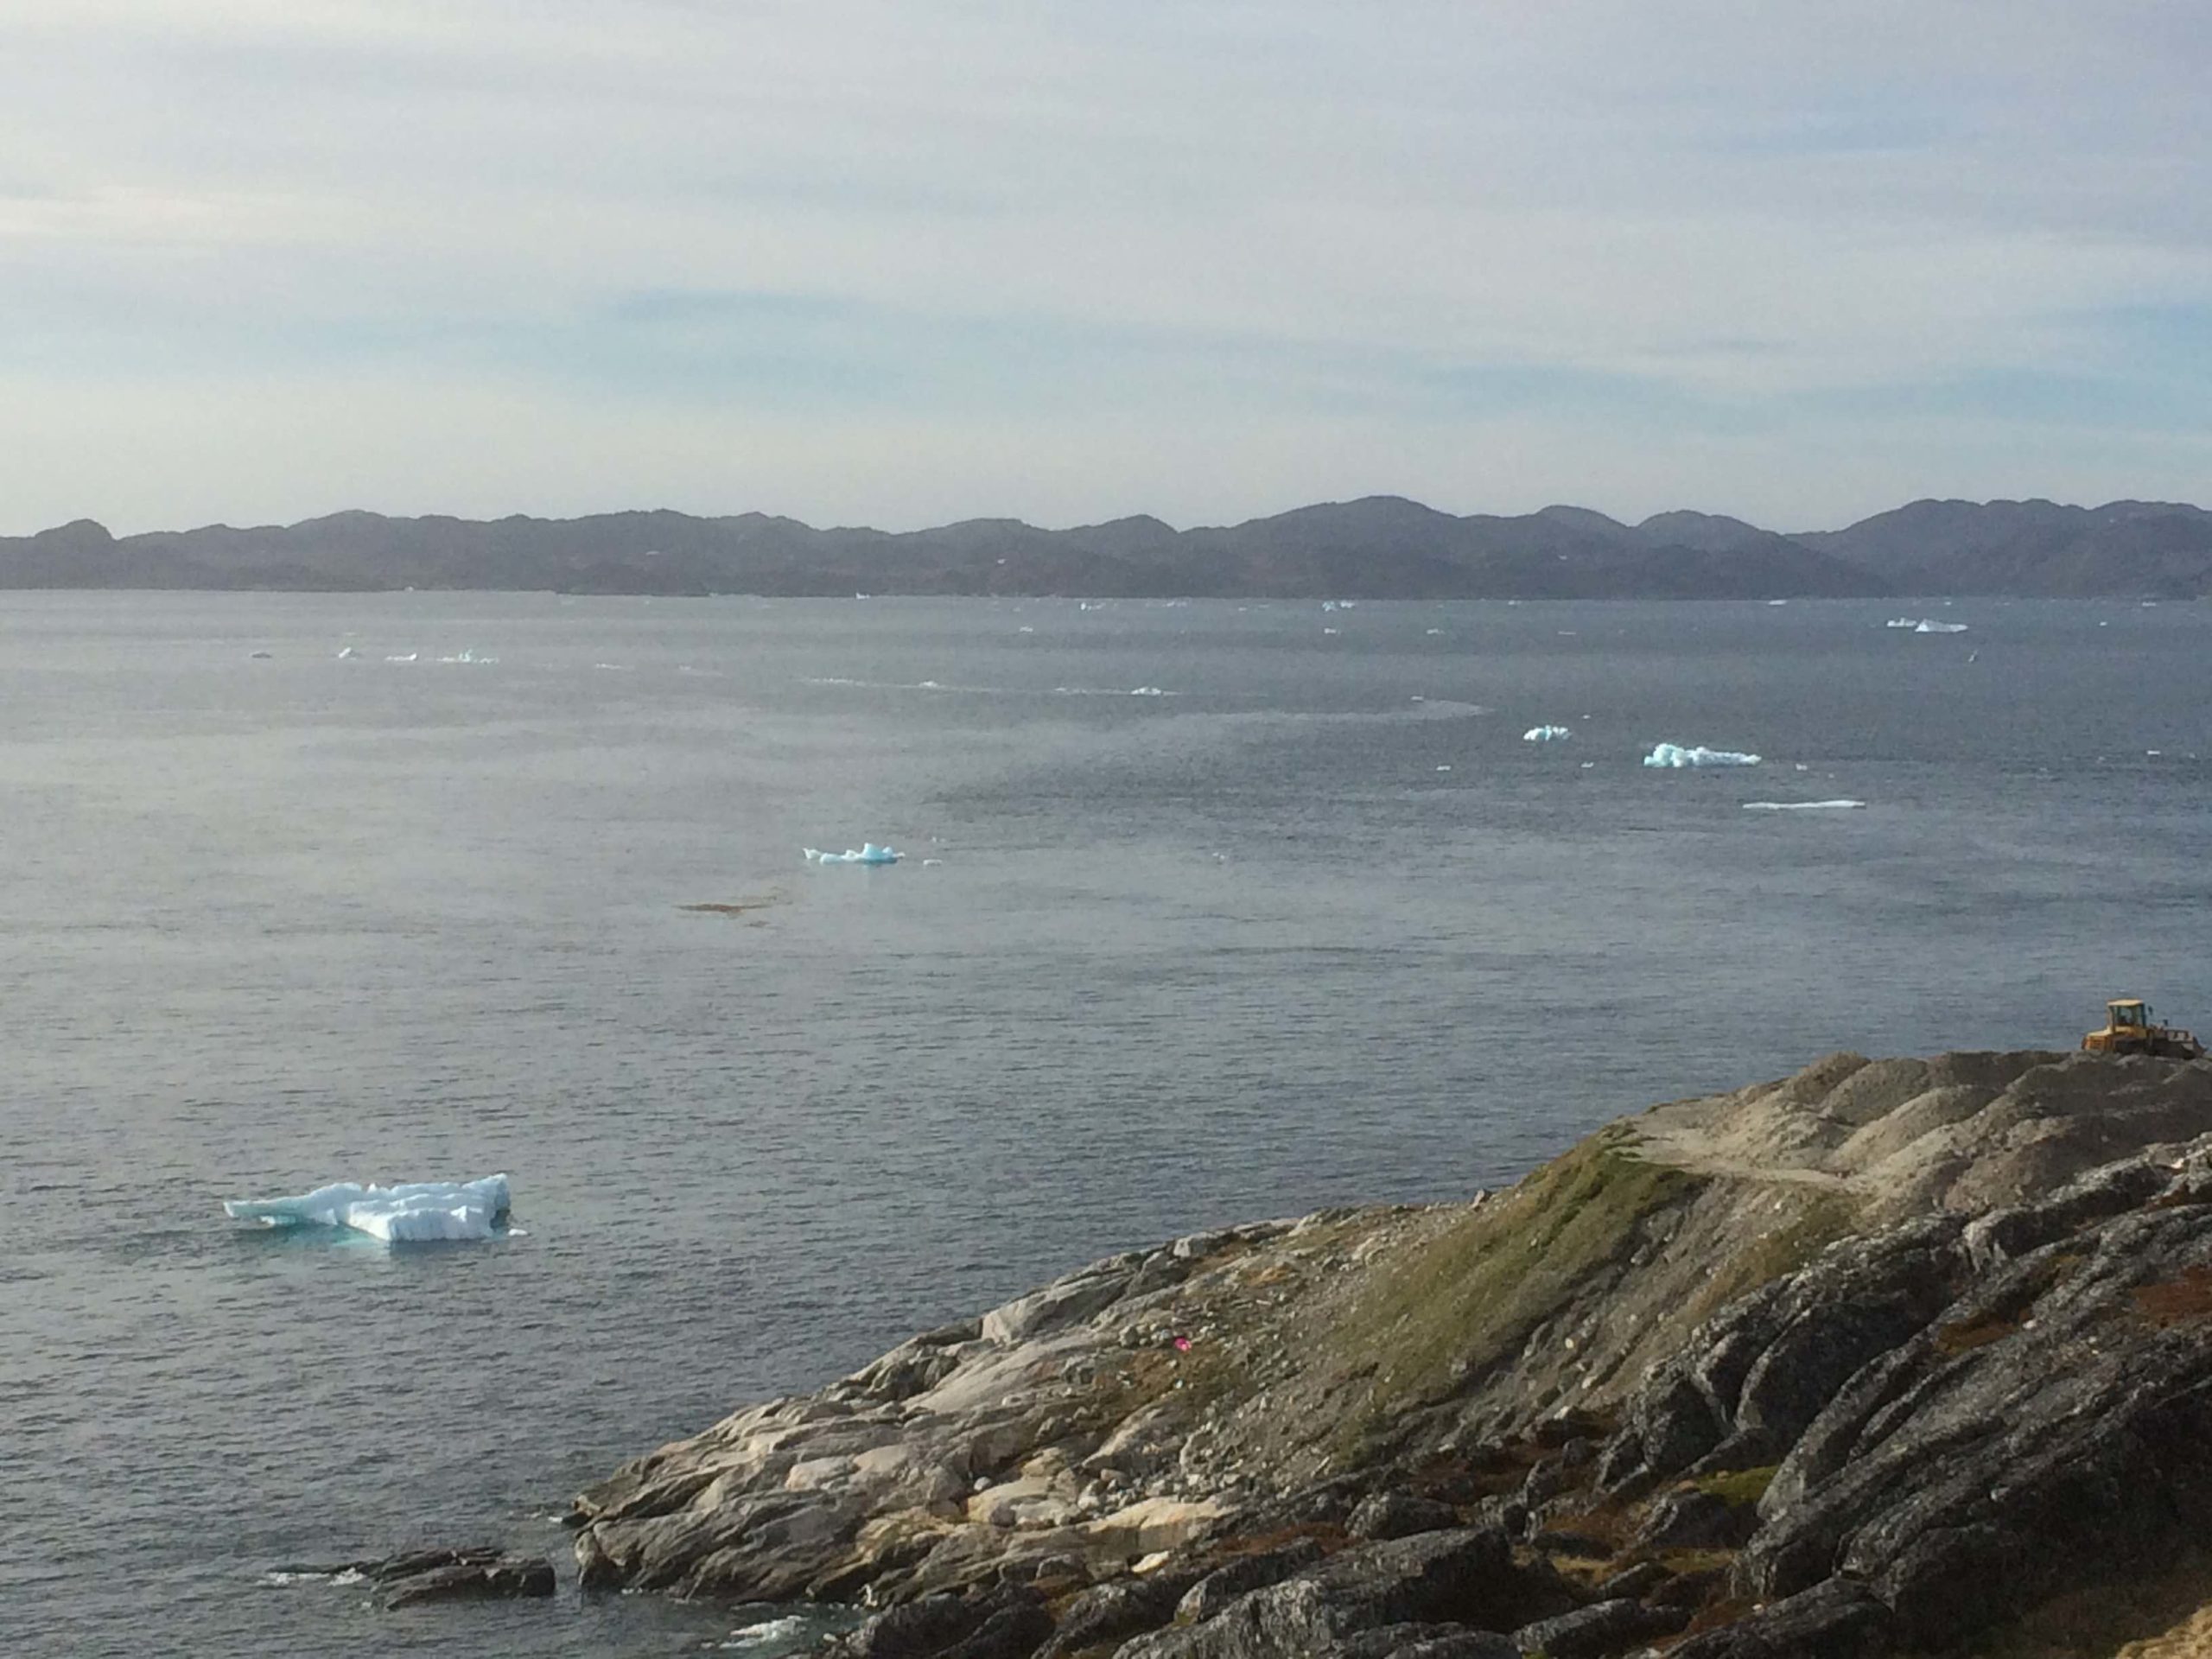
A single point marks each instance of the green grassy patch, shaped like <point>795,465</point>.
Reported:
<point>1738,1486</point>
<point>1467,1300</point>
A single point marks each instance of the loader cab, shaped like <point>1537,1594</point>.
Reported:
<point>2129,1015</point>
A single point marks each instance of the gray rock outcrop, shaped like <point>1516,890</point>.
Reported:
<point>1871,1359</point>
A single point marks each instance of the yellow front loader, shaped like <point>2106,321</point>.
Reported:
<point>2130,1029</point>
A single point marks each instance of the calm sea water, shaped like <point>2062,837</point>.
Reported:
<point>1312,925</point>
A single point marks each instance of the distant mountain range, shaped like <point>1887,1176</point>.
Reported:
<point>1383,546</point>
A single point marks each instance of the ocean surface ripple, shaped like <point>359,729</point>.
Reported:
<point>407,898</point>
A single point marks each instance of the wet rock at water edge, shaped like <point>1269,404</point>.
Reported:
<point>474,1572</point>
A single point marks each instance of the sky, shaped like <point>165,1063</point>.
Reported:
<point>881,261</point>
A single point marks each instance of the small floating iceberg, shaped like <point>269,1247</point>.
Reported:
<point>1929,625</point>
<point>411,1212</point>
<point>1674,754</point>
<point>867,853</point>
<point>1546,734</point>
<point>1803,806</point>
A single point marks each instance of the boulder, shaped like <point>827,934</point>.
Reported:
<point>1213,1592</point>
<point>478,1573</point>
<point>1113,1612</point>
<point>914,1629</point>
<point>1605,1627</point>
<point>1396,1515</point>
<point>1157,1524</point>
<point>1065,1302</point>
<point>1690,1519</point>
<point>1636,1582</point>
<point>1839,1619</point>
<point>1463,1577</point>
<point>1013,1631</point>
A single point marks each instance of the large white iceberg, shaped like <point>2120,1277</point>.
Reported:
<point>1674,754</point>
<point>1546,734</point>
<point>867,853</point>
<point>410,1213</point>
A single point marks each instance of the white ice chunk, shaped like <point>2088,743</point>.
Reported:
<point>1674,754</point>
<point>409,1213</point>
<point>867,853</point>
<point>1802,806</point>
<point>1929,625</point>
<point>1546,733</point>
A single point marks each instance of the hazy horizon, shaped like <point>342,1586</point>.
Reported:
<point>122,532</point>
<point>863,265</point>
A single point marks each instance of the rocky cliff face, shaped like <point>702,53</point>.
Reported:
<point>1880,1358</point>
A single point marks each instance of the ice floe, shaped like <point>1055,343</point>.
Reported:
<point>1925,625</point>
<point>1546,733</point>
<point>407,1213</point>
<point>1802,806</point>
<point>1674,754</point>
<point>410,656</point>
<point>867,853</point>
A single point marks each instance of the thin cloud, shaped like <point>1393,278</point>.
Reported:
<point>1657,256</point>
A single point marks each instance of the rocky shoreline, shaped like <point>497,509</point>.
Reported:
<point>1900,1356</point>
